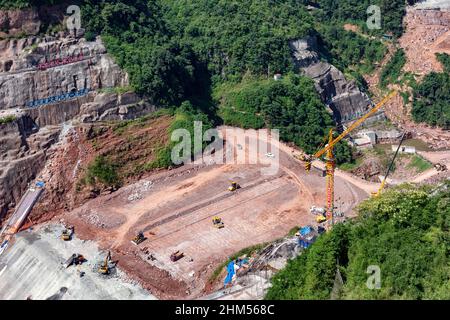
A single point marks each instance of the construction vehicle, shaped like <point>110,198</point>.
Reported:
<point>440,167</point>
<point>176,256</point>
<point>218,223</point>
<point>321,218</point>
<point>75,259</point>
<point>329,156</point>
<point>67,233</point>
<point>104,267</point>
<point>376,194</point>
<point>234,186</point>
<point>139,238</point>
<point>317,210</point>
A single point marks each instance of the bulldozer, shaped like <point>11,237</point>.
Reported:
<point>234,186</point>
<point>67,233</point>
<point>104,267</point>
<point>139,238</point>
<point>218,223</point>
<point>321,218</point>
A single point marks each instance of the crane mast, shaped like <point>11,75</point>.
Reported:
<point>329,155</point>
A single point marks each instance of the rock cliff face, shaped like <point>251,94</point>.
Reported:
<point>343,97</point>
<point>21,81</point>
<point>22,155</point>
<point>15,23</point>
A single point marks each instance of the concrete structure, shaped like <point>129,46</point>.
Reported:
<point>404,149</point>
<point>33,267</point>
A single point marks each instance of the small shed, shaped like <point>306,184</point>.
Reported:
<point>277,76</point>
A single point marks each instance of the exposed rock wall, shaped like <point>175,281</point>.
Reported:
<point>15,23</point>
<point>342,96</point>
<point>21,81</point>
<point>22,156</point>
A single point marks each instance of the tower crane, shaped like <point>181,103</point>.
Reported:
<point>329,155</point>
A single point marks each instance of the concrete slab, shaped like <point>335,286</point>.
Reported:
<point>33,267</point>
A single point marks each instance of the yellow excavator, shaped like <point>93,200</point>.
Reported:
<point>234,186</point>
<point>218,223</point>
<point>104,267</point>
<point>67,233</point>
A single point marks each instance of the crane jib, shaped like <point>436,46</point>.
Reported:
<point>355,125</point>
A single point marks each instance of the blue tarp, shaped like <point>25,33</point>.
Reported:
<point>230,270</point>
<point>305,230</point>
<point>40,184</point>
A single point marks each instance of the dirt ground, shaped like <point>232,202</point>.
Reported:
<point>175,209</point>
<point>427,33</point>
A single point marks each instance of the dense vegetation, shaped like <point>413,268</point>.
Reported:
<point>350,50</point>
<point>7,119</point>
<point>432,97</point>
<point>392,12</point>
<point>392,70</point>
<point>405,232</point>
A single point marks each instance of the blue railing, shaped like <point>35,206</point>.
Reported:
<point>58,98</point>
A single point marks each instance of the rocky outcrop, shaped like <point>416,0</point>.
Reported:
<point>112,106</point>
<point>22,155</point>
<point>343,97</point>
<point>14,23</point>
<point>22,82</point>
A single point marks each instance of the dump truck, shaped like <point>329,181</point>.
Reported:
<point>176,256</point>
<point>75,259</point>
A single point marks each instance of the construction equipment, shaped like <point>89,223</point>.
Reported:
<point>321,218</point>
<point>67,233</point>
<point>176,256</point>
<point>104,267</point>
<point>234,186</point>
<point>218,223</point>
<point>75,259</point>
<point>329,156</point>
<point>376,194</point>
<point>440,167</point>
<point>139,238</point>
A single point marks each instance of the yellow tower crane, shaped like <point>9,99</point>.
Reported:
<point>329,156</point>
